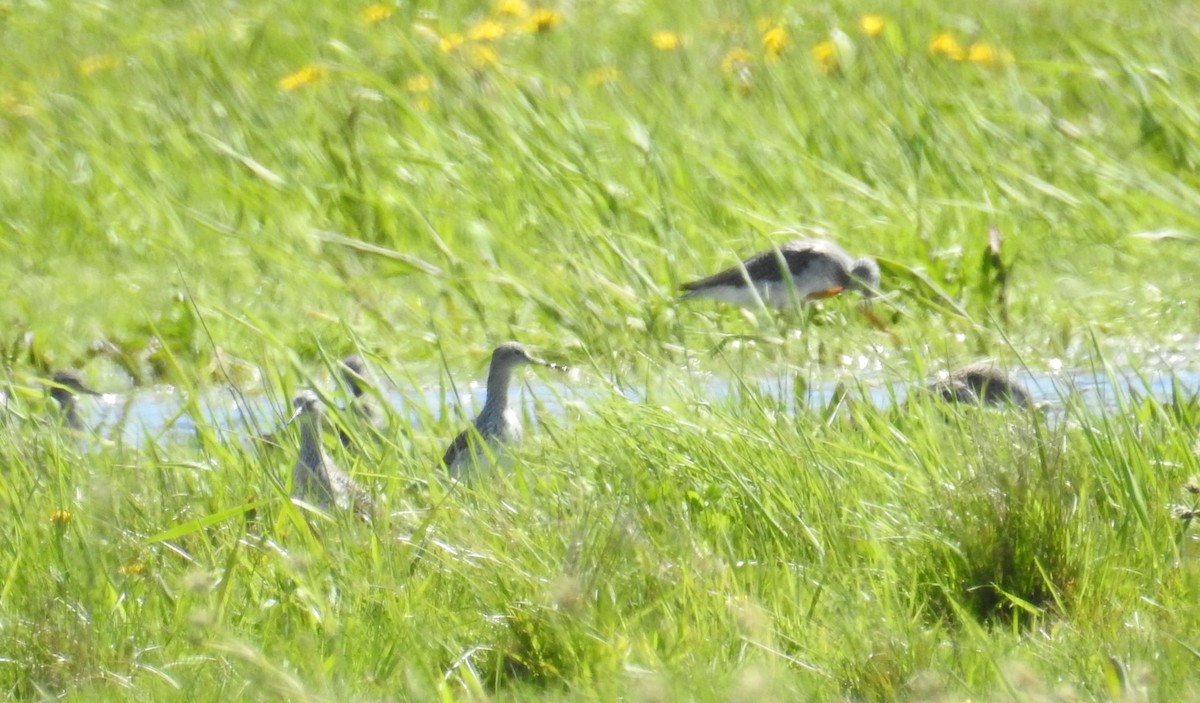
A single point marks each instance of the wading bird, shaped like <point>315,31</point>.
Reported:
<point>497,424</point>
<point>362,405</point>
<point>982,383</point>
<point>65,386</point>
<point>813,268</point>
<point>315,474</point>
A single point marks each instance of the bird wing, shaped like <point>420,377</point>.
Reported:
<point>762,267</point>
<point>461,443</point>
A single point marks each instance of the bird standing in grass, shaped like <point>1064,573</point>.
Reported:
<point>315,473</point>
<point>497,424</point>
<point>812,268</point>
<point>982,383</point>
<point>362,405</point>
<point>65,386</point>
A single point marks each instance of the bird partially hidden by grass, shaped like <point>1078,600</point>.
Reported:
<point>316,476</point>
<point>497,424</point>
<point>362,405</point>
<point>65,387</point>
<point>800,270</point>
<point>982,383</point>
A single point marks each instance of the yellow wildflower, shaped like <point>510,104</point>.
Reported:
<point>826,56</point>
<point>872,25</point>
<point>944,44</point>
<point>544,20</point>
<point>306,75</point>
<point>735,61</point>
<point>774,41</point>
<point>419,83</point>
<point>97,64</point>
<point>61,517</point>
<point>481,56</point>
<point>987,55</point>
<point>374,14</point>
<point>486,30</point>
<point>512,8</point>
<point>134,569</point>
<point>664,40</point>
<point>450,42</point>
<point>602,76</point>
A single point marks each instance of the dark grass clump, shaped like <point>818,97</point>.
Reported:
<point>1003,543</point>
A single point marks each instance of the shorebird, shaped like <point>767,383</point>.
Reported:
<point>497,424</point>
<point>64,387</point>
<point>315,473</point>
<point>362,405</point>
<point>815,269</point>
<point>982,383</point>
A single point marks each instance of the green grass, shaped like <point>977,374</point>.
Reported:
<point>170,214</point>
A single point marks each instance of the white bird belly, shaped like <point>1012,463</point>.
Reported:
<point>775,294</point>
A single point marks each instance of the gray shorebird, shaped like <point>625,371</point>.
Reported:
<point>497,424</point>
<point>362,406</point>
<point>65,386</point>
<point>982,383</point>
<point>315,474</point>
<point>813,268</point>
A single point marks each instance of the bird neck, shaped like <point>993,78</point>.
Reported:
<point>66,406</point>
<point>71,415</point>
<point>497,389</point>
<point>310,441</point>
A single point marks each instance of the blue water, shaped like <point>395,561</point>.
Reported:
<point>161,416</point>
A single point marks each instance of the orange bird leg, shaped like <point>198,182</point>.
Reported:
<point>880,325</point>
<point>827,293</point>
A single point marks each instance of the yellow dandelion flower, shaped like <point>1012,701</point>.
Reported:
<point>450,42</point>
<point>602,76</point>
<point>944,44</point>
<point>61,517</point>
<point>309,74</point>
<point>735,61</point>
<point>511,8</point>
<point>664,40</point>
<point>826,56</point>
<point>481,56</point>
<point>419,83</point>
<point>544,20</point>
<point>987,56</point>
<point>774,41</point>
<point>134,569</point>
<point>486,30</point>
<point>374,14</point>
<point>872,25</point>
<point>982,53</point>
<point>97,64</point>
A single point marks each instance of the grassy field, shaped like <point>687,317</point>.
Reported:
<point>204,194</point>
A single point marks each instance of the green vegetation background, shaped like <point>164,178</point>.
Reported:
<point>190,190</point>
